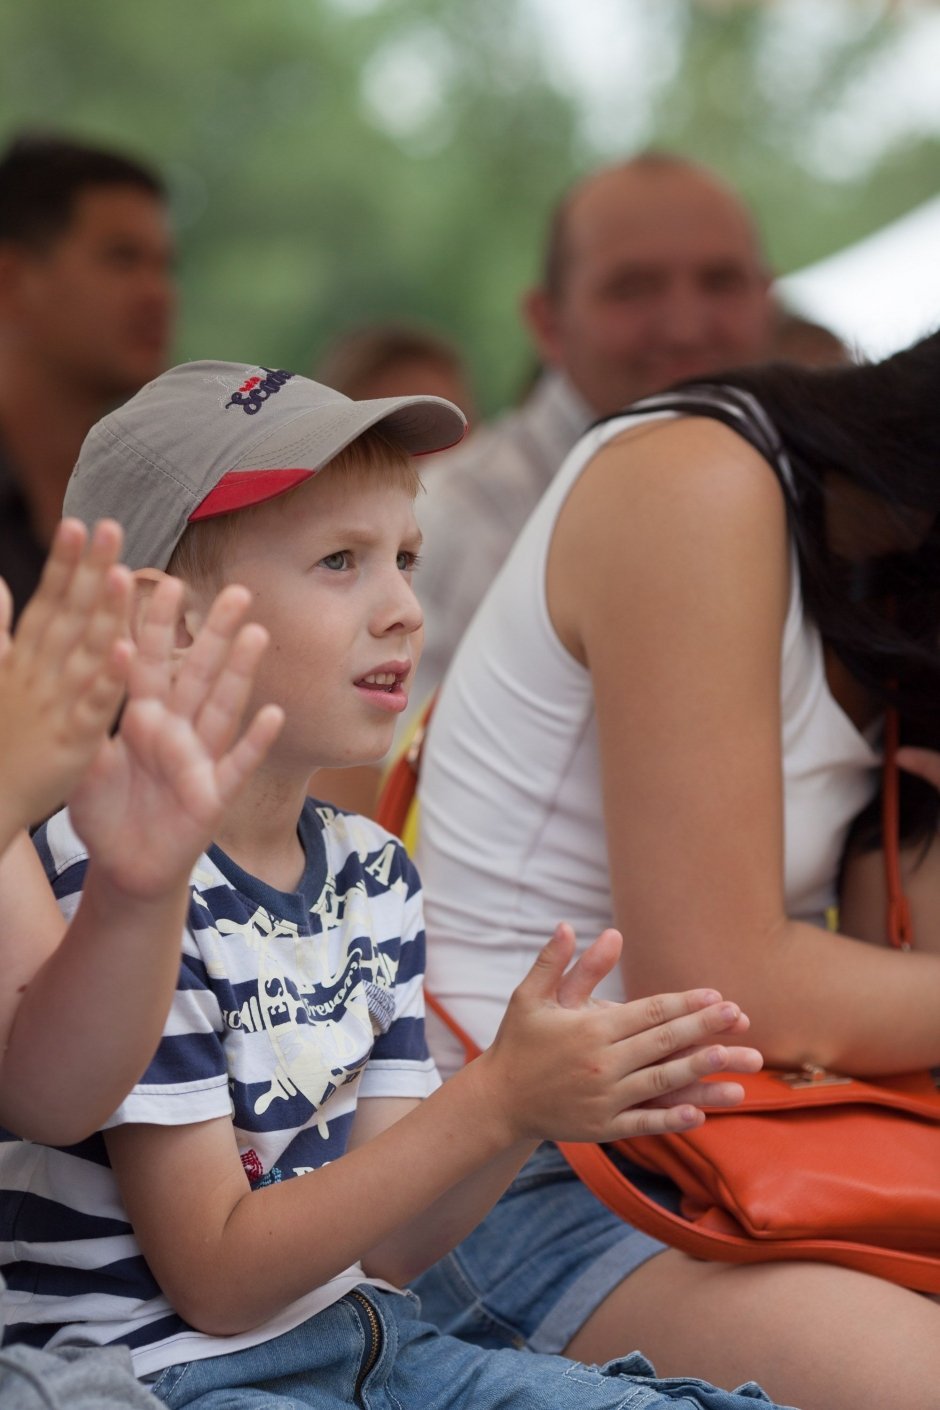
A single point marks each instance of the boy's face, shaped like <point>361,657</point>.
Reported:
<point>330,573</point>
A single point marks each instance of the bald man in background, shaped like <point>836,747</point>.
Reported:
<point>86,310</point>
<point>653,272</point>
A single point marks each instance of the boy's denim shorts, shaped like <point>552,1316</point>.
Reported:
<point>321,1362</point>
<point>540,1263</point>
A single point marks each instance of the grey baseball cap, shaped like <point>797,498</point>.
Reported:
<point>208,437</point>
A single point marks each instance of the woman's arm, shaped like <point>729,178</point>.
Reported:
<point>668,577</point>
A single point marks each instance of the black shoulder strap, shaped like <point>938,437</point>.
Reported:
<point>738,409</point>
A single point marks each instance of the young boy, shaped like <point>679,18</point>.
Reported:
<point>289,1157</point>
<point>82,1008</point>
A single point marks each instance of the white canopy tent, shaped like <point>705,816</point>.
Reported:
<point>879,294</point>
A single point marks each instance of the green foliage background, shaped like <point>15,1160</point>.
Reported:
<point>334,161</point>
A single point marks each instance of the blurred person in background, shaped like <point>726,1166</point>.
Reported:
<point>799,339</point>
<point>653,272</point>
<point>86,313</point>
<point>396,359</point>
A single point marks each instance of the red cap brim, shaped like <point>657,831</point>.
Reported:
<point>239,488</point>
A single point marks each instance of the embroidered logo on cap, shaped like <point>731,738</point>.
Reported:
<point>255,391</point>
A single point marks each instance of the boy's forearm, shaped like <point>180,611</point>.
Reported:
<point>407,1196</point>
<point>297,1235</point>
<point>439,1228</point>
<point>89,1021</point>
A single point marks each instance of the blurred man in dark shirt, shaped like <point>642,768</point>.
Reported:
<point>86,311</point>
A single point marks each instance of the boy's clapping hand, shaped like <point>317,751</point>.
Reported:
<point>62,674</point>
<point>84,1005</point>
<point>149,803</point>
<point>572,1068</point>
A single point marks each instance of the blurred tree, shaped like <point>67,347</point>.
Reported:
<point>334,161</point>
<point>328,164</point>
<point>763,91</point>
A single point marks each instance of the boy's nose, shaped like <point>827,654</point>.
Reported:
<point>401,612</point>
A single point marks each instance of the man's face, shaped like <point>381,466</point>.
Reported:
<point>330,574</point>
<point>95,307</point>
<point>661,280</point>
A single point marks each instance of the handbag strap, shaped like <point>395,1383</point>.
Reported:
<point>471,1049</point>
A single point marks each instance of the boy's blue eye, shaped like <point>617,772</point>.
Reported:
<point>337,561</point>
<point>407,561</point>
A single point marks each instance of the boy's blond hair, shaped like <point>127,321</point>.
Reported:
<point>199,557</point>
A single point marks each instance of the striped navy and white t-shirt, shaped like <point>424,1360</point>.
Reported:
<point>289,1007</point>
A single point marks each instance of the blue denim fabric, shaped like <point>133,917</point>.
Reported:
<point>318,1364</point>
<point>540,1263</point>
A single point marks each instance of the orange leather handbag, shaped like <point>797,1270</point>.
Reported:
<point>812,1166</point>
<point>809,1167</point>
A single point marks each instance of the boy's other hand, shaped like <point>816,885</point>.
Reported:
<point>63,672</point>
<point>570,1067</point>
<point>153,798</point>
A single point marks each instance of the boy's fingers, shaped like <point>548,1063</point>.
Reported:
<point>210,651</point>
<point>714,1093</point>
<point>705,1095</point>
<point>653,1019</point>
<point>234,770</point>
<point>88,587</point>
<point>663,1080</point>
<point>739,1059</point>
<point>97,706</point>
<point>218,720</point>
<point>677,1036</point>
<point>924,762</point>
<point>544,977</point>
<point>109,620</point>
<point>655,1085</point>
<point>597,961</point>
<point>150,676</point>
<point>63,558</point>
<point>656,1121</point>
<point>65,553</point>
<point>87,581</point>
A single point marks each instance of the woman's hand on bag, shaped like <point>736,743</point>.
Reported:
<point>569,1067</point>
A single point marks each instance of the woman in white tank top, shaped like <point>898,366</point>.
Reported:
<point>666,715</point>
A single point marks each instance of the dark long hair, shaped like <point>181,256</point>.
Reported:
<point>869,435</point>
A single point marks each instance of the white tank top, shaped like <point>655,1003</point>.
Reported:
<point>511,836</point>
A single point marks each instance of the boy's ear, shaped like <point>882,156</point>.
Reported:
<point>190,613</point>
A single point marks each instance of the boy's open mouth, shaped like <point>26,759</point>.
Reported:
<point>388,681</point>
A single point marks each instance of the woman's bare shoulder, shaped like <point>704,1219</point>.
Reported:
<point>685,509</point>
<point>699,456</point>
<point>680,487</point>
